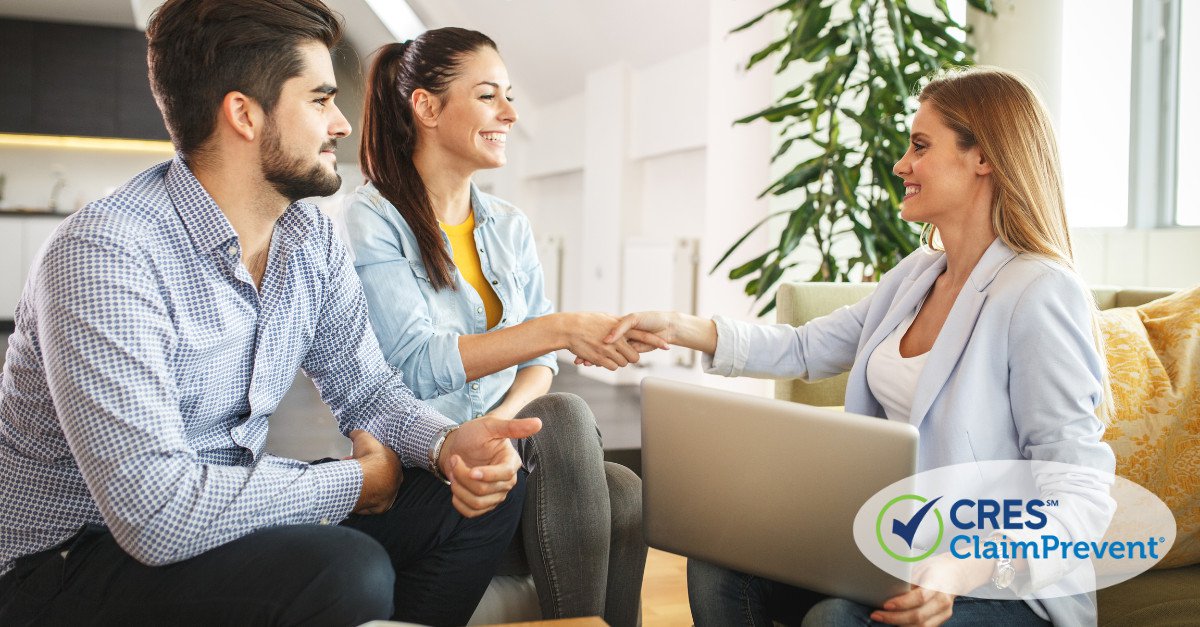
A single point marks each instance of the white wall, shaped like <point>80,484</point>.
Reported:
<point>671,197</point>
<point>1138,257</point>
<point>557,143</point>
<point>669,105</point>
<point>555,208</point>
<point>1025,37</point>
<point>644,160</point>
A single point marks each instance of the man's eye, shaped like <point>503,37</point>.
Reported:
<point>487,97</point>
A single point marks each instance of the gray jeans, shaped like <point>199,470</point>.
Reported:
<point>581,530</point>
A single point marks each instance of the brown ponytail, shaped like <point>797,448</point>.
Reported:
<point>389,135</point>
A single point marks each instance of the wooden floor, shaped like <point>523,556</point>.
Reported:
<point>664,591</point>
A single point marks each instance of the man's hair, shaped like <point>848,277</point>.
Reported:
<point>200,50</point>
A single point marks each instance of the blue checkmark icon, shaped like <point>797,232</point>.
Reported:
<point>908,530</point>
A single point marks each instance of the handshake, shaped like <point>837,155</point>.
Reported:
<point>598,339</point>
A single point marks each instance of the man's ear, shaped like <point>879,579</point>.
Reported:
<point>425,107</point>
<point>242,115</point>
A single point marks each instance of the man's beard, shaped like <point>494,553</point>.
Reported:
<point>291,176</point>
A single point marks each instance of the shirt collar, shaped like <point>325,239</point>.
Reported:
<point>207,225</point>
<point>481,207</point>
<point>203,219</point>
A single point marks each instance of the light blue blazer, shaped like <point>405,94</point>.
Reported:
<point>1014,373</point>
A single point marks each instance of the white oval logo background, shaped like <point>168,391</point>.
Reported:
<point>1078,529</point>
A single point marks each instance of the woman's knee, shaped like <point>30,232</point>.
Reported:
<point>625,500</point>
<point>705,580</point>
<point>569,439</point>
<point>563,413</point>
<point>837,613</point>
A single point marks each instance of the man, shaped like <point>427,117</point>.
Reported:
<point>158,333</point>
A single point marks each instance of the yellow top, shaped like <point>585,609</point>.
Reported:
<point>466,257</point>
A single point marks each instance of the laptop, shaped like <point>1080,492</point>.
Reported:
<point>768,487</point>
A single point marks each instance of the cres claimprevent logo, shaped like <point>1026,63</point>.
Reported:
<point>904,527</point>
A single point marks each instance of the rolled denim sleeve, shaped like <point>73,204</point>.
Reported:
<point>535,293</point>
<point>400,317</point>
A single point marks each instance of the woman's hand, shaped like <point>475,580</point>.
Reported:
<point>927,605</point>
<point>920,607</point>
<point>647,330</point>
<point>660,324</point>
<point>588,337</point>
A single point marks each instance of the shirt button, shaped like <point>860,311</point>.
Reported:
<point>324,521</point>
<point>495,282</point>
<point>479,310</point>
<point>479,415</point>
<point>232,250</point>
<point>474,386</point>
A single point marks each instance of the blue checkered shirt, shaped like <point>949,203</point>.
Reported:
<point>145,366</point>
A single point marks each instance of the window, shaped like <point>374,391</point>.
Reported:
<point>1187,192</point>
<point>1093,134</point>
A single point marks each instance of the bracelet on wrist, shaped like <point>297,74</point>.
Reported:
<point>435,452</point>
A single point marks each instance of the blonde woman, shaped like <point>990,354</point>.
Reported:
<point>983,338</point>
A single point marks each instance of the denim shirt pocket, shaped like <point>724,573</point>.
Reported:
<point>517,305</point>
<point>428,293</point>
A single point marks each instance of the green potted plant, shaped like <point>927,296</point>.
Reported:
<point>852,111</point>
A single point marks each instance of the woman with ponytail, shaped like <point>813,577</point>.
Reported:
<point>456,297</point>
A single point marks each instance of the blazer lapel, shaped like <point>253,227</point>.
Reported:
<point>956,331</point>
<point>916,285</point>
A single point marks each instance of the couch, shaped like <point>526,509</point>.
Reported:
<point>509,598</point>
<point>1159,597</point>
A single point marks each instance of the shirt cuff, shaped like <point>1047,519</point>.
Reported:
<point>1039,573</point>
<point>446,364</point>
<point>417,437</point>
<point>729,360</point>
<point>338,485</point>
<point>549,360</point>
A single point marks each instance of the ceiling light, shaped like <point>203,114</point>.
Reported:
<point>86,143</point>
<point>397,17</point>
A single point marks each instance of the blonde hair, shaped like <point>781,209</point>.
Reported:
<point>1001,114</point>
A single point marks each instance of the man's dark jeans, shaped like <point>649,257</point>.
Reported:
<point>420,562</point>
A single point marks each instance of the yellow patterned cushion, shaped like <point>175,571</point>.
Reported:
<point>1154,359</point>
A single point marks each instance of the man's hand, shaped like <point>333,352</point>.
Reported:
<point>481,463</point>
<point>382,473</point>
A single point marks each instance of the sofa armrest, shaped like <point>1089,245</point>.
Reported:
<point>796,304</point>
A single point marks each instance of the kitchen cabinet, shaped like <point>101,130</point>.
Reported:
<point>21,238</point>
<point>75,79</point>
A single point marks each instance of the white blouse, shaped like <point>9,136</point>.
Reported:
<point>893,378</point>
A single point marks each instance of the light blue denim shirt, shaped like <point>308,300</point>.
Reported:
<point>417,326</point>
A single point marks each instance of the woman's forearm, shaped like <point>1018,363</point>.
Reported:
<point>529,384</point>
<point>488,353</point>
<point>694,332</point>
